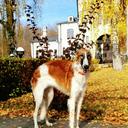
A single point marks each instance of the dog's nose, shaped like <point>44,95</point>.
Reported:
<point>86,67</point>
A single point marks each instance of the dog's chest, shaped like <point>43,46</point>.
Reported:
<point>78,83</point>
<point>79,77</point>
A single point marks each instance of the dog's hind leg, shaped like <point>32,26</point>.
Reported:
<point>38,97</point>
<point>48,97</point>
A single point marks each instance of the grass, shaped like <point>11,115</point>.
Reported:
<point>107,95</point>
<point>106,99</point>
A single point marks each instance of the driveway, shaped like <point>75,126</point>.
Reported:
<point>21,122</point>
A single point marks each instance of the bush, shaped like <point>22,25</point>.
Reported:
<point>15,75</point>
<point>95,64</point>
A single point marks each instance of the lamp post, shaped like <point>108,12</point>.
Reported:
<point>20,52</point>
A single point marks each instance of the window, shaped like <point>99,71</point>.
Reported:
<point>87,39</point>
<point>70,33</point>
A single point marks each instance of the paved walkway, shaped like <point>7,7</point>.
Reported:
<point>28,123</point>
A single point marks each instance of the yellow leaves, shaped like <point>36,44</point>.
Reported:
<point>121,26</point>
<point>3,112</point>
<point>126,2</point>
<point>58,114</point>
<point>115,117</point>
<point>21,106</point>
<point>107,94</point>
<point>108,11</point>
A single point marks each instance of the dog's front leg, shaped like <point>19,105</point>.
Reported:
<point>71,107</point>
<point>78,108</point>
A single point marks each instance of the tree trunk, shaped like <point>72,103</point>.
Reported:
<point>4,40</point>
<point>5,46</point>
<point>10,25</point>
<point>117,62</point>
<point>127,30</point>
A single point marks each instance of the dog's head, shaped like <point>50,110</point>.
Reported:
<point>84,58</point>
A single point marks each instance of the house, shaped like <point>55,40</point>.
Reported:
<point>67,29</point>
<point>99,33</point>
<point>52,45</point>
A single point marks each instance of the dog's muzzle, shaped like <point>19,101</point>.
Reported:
<point>85,68</point>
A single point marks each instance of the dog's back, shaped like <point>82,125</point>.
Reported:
<point>62,72</point>
<point>59,70</point>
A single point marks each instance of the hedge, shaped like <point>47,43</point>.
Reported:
<point>15,75</point>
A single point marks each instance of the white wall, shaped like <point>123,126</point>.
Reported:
<point>62,34</point>
<point>52,45</point>
<point>33,49</point>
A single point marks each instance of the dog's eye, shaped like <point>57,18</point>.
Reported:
<point>82,56</point>
<point>89,56</point>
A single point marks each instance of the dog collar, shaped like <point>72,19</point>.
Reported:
<point>82,73</point>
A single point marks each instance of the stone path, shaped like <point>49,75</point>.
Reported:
<point>21,122</point>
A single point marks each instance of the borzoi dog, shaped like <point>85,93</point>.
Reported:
<point>68,77</point>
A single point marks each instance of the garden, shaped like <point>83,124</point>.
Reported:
<point>102,28</point>
<point>106,98</point>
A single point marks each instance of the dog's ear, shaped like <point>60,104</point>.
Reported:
<point>89,57</point>
<point>78,54</point>
<point>81,52</point>
<point>91,66</point>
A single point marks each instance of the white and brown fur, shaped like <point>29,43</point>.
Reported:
<point>68,77</point>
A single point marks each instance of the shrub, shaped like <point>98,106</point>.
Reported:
<point>95,64</point>
<point>15,75</point>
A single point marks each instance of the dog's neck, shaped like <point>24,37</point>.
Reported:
<point>82,73</point>
<point>77,68</point>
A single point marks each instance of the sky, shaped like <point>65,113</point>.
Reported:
<point>51,12</point>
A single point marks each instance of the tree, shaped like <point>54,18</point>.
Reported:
<point>4,44</point>
<point>112,10</point>
<point>43,51</point>
<point>10,6</point>
<point>127,28</point>
<point>117,62</point>
<point>8,21</point>
<point>86,19</point>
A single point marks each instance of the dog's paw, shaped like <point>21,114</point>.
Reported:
<point>77,127</point>
<point>49,124</point>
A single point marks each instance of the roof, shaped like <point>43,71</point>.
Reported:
<point>66,22</point>
<point>52,38</point>
<point>69,22</point>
